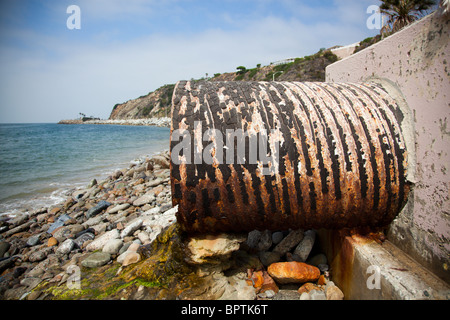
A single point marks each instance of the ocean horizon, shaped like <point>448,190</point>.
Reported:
<point>41,162</point>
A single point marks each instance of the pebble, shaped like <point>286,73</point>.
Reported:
<point>268,257</point>
<point>113,246</point>
<point>84,237</point>
<point>305,246</point>
<point>96,259</point>
<point>333,292</point>
<point>66,247</point>
<point>147,198</point>
<point>52,242</point>
<point>277,237</point>
<point>265,242</point>
<point>130,228</point>
<point>101,205</point>
<point>317,260</point>
<point>32,241</point>
<point>289,242</point>
<point>99,243</point>
<point>4,247</point>
<point>317,295</point>
<point>130,258</point>
<point>305,296</point>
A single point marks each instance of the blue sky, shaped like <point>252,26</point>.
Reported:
<point>126,49</point>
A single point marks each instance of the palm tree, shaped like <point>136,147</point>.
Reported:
<point>400,13</point>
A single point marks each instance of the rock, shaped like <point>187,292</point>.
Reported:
<point>131,227</point>
<point>97,259</point>
<point>268,257</point>
<point>305,296</point>
<point>256,279</point>
<point>118,208</point>
<point>113,246</point>
<point>322,280</point>
<point>253,238</point>
<point>92,183</point>
<point>84,237</point>
<point>289,242</point>
<point>4,247</point>
<point>39,255</point>
<point>162,161</point>
<point>66,247</point>
<point>265,242</point>
<point>52,242</point>
<point>268,284</point>
<point>100,242</point>
<point>317,260</point>
<point>31,283</point>
<point>20,228</point>
<point>287,295</point>
<point>317,295</point>
<point>130,248</point>
<point>101,205</point>
<point>277,237</point>
<point>34,295</point>
<point>54,211</point>
<point>293,272</point>
<point>146,198</point>
<point>154,183</point>
<point>20,219</point>
<point>212,248</point>
<point>61,233</point>
<point>305,246</point>
<point>308,287</point>
<point>238,289</point>
<point>143,237</point>
<point>130,258</point>
<point>7,263</point>
<point>323,267</point>
<point>152,211</point>
<point>59,222</point>
<point>332,292</point>
<point>78,194</point>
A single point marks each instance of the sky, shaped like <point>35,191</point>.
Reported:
<point>126,49</point>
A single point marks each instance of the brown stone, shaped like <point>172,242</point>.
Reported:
<point>52,242</point>
<point>269,284</point>
<point>334,293</point>
<point>307,287</point>
<point>293,272</point>
<point>322,280</point>
<point>257,279</point>
<point>55,211</point>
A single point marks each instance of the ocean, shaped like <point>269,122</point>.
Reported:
<point>40,163</point>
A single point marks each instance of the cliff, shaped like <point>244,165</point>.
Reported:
<point>157,104</point>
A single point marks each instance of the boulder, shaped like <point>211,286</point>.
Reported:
<point>212,248</point>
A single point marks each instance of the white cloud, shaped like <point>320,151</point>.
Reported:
<point>92,77</point>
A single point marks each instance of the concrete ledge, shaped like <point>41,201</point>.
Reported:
<point>367,268</point>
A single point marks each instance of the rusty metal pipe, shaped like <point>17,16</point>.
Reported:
<point>316,155</point>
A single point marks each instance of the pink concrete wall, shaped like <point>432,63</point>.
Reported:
<point>417,61</point>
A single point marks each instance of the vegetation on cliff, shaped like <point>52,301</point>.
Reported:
<point>157,103</point>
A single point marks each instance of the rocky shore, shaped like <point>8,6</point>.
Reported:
<point>160,122</point>
<point>118,239</point>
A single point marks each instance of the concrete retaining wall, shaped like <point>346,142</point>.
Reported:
<point>416,62</point>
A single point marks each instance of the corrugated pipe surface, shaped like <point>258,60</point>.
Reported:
<point>280,155</point>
